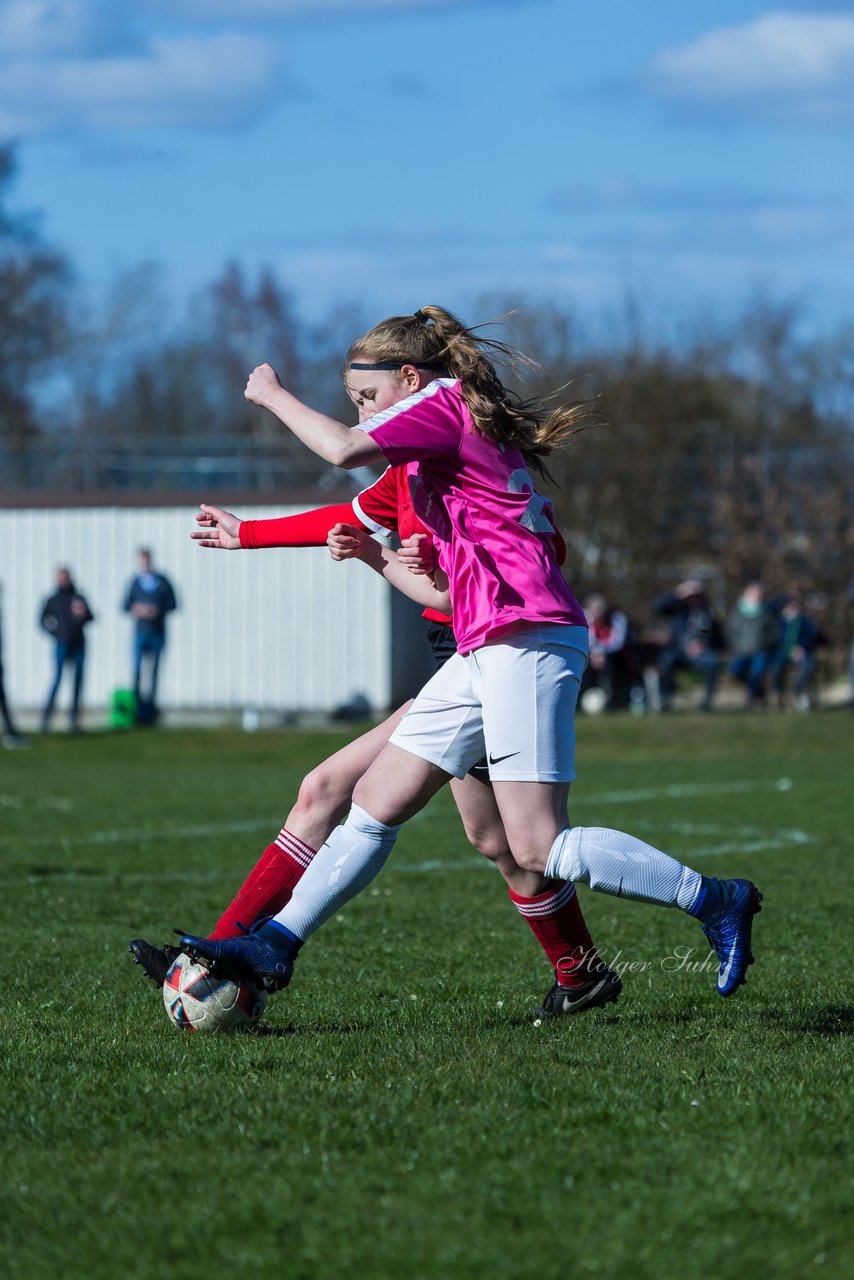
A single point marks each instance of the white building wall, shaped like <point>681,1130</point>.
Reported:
<point>279,629</point>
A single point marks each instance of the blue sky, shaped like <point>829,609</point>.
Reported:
<point>404,151</point>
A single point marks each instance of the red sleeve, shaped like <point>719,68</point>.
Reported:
<point>308,529</point>
<point>378,506</point>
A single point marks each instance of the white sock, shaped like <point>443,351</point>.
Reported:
<point>352,856</point>
<point>620,864</point>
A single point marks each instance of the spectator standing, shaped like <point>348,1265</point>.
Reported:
<point>752,633</point>
<point>64,617</point>
<point>799,638</point>
<point>694,641</point>
<point>148,600</point>
<point>11,737</point>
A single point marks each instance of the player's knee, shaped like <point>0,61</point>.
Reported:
<point>488,841</point>
<point>530,856</point>
<point>321,794</point>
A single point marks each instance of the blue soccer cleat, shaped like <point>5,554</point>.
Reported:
<point>727,912</point>
<point>264,955</point>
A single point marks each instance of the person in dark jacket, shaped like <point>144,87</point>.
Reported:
<point>752,633</point>
<point>64,616</point>
<point>148,599</point>
<point>694,641</point>
<point>799,638</point>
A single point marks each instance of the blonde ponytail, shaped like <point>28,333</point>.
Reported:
<point>434,338</point>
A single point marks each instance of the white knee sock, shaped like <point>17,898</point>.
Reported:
<point>620,864</point>
<point>352,856</point>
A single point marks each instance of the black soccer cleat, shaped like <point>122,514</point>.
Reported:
<point>603,988</point>
<point>156,961</point>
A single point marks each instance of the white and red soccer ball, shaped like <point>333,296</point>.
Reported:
<point>198,1000</point>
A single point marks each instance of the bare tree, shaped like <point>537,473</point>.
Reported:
<point>34,280</point>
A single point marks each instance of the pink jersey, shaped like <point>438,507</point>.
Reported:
<point>493,531</point>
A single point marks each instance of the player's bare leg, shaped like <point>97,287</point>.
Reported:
<point>485,830</point>
<point>324,798</point>
<point>533,813</point>
<point>326,792</point>
<point>398,784</point>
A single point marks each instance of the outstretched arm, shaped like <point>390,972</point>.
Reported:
<point>224,531</point>
<point>331,440</point>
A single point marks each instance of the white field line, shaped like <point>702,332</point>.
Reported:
<point>734,843</point>
<point>687,791</point>
<point>736,839</point>
<point>134,835</point>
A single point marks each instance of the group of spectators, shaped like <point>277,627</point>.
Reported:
<point>768,645</point>
<point>64,616</point>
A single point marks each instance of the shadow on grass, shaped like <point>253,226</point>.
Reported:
<point>832,1020</point>
<point>828,1020</point>
<point>518,1021</point>
<point>61,873</point>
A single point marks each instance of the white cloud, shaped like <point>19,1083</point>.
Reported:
<point>46,27</point>
<point>197,82</point>
<point>573,271</point>
<point>782,67</point>
<point>725,219</point>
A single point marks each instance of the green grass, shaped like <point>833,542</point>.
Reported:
<point>402,1116</point>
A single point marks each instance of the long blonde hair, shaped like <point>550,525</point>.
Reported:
<point>436,339</point>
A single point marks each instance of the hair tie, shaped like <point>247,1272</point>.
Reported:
<point>419,315</point>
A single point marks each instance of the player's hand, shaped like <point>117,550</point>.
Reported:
<point>219,529</point>
<point>416,552</point>
<point>346,542</point>
<point>263,383</point>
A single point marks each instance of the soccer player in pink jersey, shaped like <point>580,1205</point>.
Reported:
<point>430,399</point>
<point>552,910</point>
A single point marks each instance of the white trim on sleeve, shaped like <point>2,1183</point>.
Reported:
<point>367,520</point>
<point>380,419</point>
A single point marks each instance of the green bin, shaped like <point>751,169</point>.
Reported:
<point>123,709</point>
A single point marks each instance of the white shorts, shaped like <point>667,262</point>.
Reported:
<point>513,701</point>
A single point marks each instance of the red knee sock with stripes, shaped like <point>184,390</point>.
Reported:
<point>269,885</point>
<point>558,925</point>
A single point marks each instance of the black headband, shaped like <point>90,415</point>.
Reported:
<point>397,364</point>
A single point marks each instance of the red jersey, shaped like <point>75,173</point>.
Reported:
<point>386,507</point>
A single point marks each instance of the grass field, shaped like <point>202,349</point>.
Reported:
<point>402,1116</point>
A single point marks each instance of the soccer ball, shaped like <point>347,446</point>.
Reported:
<point>198,1000</point>
<point>594,700</point>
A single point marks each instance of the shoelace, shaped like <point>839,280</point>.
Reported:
<point>256,925</point>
